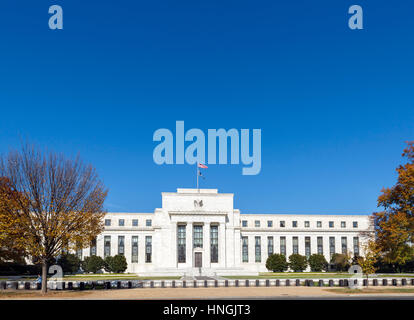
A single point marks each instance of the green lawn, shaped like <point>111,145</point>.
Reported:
<point>312,275</point>
<point>110,276</point>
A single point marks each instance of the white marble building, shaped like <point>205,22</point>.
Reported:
<point>200,232</point>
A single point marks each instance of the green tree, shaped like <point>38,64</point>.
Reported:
<point>394,227</point>
<point>93,264</point>
<point>116,264</point>
<point>277,263</point>
<point>297,262</point>
<point>318,263</point>
<point>342,261</point>
<point>69,262</point>
<point>368,261</point>
<point>48,202</point>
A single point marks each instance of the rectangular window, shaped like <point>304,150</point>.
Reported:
<point>214,244</point>
<point>282,224</point>
<point>283,245</point>
<point>295,242</point>
<point>107,222</point>
<point>92,248</point>
<point>294,224</point>
<point>148,223</point>
<point>197,236</point>
<point>331,245</point>
<point>269,224</point>
<point>135,222</point>
<point>257,224</point>
<point>79,253</point>
<point>121,245</point>
<point>181,239</point>
<point>134,245</point>
<point>245,249</point>
<point>307,224</point>
<point>244,223</point>
<point>307,247</point>
<point>258,249</point>
<point>356,246</point>
<point>343,224</point>
<point>320,245</point>
<point>121,222</point>
<point>319,224</point>
<point>344,245</point>
<point>270,245</point>
<point>331,224</point>
<point>107,246</point>
<point>355,224</point>
<point>148,249</point>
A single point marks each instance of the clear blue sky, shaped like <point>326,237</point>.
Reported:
<point>335,106</point>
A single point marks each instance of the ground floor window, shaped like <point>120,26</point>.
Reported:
<point>258,249</point>
<point>181,239</point>
<point>107,246</point>
<point>79,252</point>
<point>344,245</point>
<point>92,248</point>
<point>134,251</point>
<point>214,244</point>
<point>295,242</point>
<point>331,245</point>
<point>270,245</point>
<point>121,245</point>
<point>356,246</point>
<point>320,245</point>
<point>283,245</point>
<point>198,236</point>
<point>307,247</point>
<point>148,249</point>
<point>245,249</point>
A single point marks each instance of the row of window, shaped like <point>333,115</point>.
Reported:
<point>121,248</point>
<point>282,224</point>
<point>121,222</point>
<point>295,246</point>
<point>197,242</point>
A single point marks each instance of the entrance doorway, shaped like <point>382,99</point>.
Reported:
<point>198,260</point>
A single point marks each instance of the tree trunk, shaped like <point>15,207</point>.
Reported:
<point>44,276</point>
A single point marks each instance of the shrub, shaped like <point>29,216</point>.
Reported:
<point>70,263</point>
<point>297,262</point>
<point>276,263</point>
<point>93,264</point>
<point>341,261</point>
<point>14,269</point>
<point>116,264</point>
<point>317,263</point>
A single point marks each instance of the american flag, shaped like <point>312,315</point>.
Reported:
<point>202,166</point>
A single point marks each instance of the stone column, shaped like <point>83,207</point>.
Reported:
<point>206,245</point>
<point>222,245</point>
<point>264,253</point>
<point>301,242</point>
<point>173,239</point>
<point>326,249</point>
<point>289,246</point>
<point>189,244</point>
<point>314,244</point>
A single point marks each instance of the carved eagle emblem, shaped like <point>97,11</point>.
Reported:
<point>198,203</point>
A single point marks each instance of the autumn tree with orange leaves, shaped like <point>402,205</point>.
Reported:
<point>48,203</point>
<point>394,227</point>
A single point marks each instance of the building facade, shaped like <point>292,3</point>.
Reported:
<point>198,231</point>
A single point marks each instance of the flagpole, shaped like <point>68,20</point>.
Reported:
<point>197,177</point>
